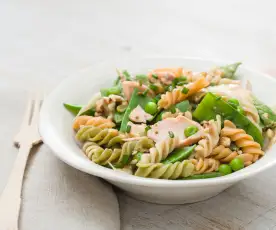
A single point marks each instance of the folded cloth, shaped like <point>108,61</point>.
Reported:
<point>56,196</point>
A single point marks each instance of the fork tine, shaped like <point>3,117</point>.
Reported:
<point>37,104</point>
<point>28,111</point>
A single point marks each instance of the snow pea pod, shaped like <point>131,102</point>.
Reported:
<point>135,100</point>
<point>266,114</point>
<point>230,70</point>
<point>211,105</point>
<point>179,154</point>
<point>202,176</point>
<point>74,109</point>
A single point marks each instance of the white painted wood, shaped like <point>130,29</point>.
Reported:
<point>41,42</point>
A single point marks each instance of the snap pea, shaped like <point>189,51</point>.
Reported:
<point>234,102</point>
<point>74,109</point>
<point>202,176</point>
<point>179,154</point>
<point>135,100</point>
<point>211,105</point>
<point>268,117</point>
<point>230,70</point>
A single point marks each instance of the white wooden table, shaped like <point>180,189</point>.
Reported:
<point>41,42</point>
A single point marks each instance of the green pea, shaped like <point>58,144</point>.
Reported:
<point>240,110</point>
<point>151,108</point>
<point>237,164</point>
<point>225,169</point>
<point>191,130</point>
<point>234,102</point>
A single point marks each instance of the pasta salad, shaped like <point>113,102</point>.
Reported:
<point>173,123</point>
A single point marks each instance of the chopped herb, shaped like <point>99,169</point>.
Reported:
<point>128,128</point>
<point>169,88</point>
<point>153,87</point>
<point>182,78</point>
<point>147,128</point>
<point>212,84</point>
<point>154,76</point>
<point>127,75</point>
<point>157,98</point>
<point>185,90</point>
<point>173,110</point>
<point>145,92</point>
<point>234,147</point>
<point>140,82</point>
<point>171,134</point>
<point>117,81</point>
<point>181,83</point>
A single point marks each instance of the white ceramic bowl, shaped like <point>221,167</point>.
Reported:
<point>55,129</point>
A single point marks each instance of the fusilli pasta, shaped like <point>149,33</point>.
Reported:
<point>100,155</point>
<point>107,137</point>
<point>223,154</point>
<point>100,122</point>
<point>176,95</point>
<point>205,165</point>
<point>106,106</point>
<point>242,140</point>
<point>163,149</point>
<point>165,171</point>
<point>206,145</point>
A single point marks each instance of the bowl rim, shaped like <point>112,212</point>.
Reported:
<point>108,174</point>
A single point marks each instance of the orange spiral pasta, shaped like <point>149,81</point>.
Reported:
<point>100,122</point>
<point>242,140</point>
<point>177,95</point>
<point>205,165</point>
<point>223,154</point>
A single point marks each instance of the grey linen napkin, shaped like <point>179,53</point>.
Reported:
<point>57,196</point>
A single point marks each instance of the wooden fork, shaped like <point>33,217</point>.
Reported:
<point>27,137</point>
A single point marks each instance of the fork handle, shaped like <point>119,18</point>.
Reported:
<point>10,199</point>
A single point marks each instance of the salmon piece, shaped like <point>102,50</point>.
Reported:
<point>129,86</point>
<point>137,129</point>
<point>139,115</point>
<point>166,75</point>
<point>160,131</point>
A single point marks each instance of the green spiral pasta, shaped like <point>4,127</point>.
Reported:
<point>103,137</point>
<point>117,156</point>
<point>100,155</point>
<point>165,171</point>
